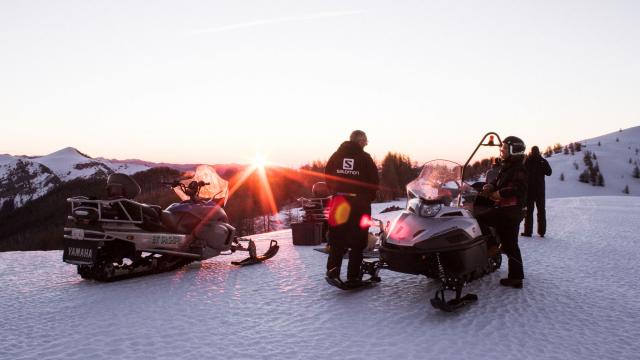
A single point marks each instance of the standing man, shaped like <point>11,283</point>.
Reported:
<point>509,192</point>
<point>352,177</point>
<point>537,167</point>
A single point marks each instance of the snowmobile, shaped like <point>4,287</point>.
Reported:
<point>438,236</point>
<point>117,238</point>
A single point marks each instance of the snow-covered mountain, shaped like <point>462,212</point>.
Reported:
<point>24,178</point>
<point>613,152</point>
<point>580,301</point>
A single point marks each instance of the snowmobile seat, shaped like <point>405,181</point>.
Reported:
<point>169,220</point>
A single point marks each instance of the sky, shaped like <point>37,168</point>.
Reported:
<point>219,81</point>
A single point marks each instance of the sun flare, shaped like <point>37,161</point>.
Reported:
<point>259,161</point>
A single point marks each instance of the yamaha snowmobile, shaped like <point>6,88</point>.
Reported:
<point>438,236</point>
<point>116,238</point>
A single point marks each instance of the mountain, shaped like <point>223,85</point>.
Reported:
<point>613,152</point>
<point>25,178</point>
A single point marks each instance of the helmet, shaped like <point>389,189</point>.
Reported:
<point>516,146</point>
<point>320,190</point>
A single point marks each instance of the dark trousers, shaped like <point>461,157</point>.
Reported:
<point>538,201</point>
<point>506,221</point>
<point>347,232</point>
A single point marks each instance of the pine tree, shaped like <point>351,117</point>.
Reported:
<point>594,156</point>
<point>617,140</point>
<point>626,189</point>
<point>575,165</point>
<point>600,179</point>
<point>636,172</point>
<point>584,177</point>
<point>557,148</point>
<point>630,161</point>
<point>578,147</point>
<point>562,177</point>
<point>566,150</point>
<point>587,159</point>
<point>593,177</point>
<point>397,171</point>
<point>599,144</point>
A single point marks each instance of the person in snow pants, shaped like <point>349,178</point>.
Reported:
<point>352,178</point>
<point>538,168</point>
<point>508,191</point>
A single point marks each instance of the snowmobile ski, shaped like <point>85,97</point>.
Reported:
<point>253,258</point>
<point>342,285</point>
<point>440,303</point>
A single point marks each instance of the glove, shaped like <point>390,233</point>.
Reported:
<point>487,189</point>
<point>495,196</point>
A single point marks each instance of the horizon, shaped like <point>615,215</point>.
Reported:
<point>221,83</point>
<point>268,163</point>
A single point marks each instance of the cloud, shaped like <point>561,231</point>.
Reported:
<point>263,22</point>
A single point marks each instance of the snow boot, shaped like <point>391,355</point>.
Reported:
<point>514,283</point>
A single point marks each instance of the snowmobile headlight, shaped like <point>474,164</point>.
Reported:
<point>426,210</point>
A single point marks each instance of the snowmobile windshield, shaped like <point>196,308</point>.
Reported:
<point>216,190</point>
<point>439,182</point>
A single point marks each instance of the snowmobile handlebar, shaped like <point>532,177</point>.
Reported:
<point>192,190</point>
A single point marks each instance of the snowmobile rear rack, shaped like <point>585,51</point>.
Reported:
<point>81,206</point>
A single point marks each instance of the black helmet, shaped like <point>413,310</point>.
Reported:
<point>320,190</point>
<point>516,146</point>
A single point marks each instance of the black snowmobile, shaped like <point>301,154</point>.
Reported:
<point>118,238</point>
<point>438,236</point>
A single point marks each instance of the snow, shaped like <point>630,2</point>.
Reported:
<point>63,163</point>
<point>124,167</point>
<point>613,160</point>
<point>579,302</point>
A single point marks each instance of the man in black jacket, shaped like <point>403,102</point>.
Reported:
<point>352,177</point>
<point>538,168</point>
<point>508,192</point>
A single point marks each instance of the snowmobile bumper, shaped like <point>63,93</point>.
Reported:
<point>413,260</point>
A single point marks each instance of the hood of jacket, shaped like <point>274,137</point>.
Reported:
<point>350,148</point>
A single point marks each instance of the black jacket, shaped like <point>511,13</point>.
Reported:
<point>512,183</point>
<point>351,170</point>
<point>537,167</point>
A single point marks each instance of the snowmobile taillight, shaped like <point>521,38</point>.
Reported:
<point>491,143</point>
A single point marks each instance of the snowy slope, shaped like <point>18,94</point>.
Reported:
<point>125,167</point>
<point>69,163</point>
<point>613,160</point>
<point>23,180</point>
<point>579,302</point>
